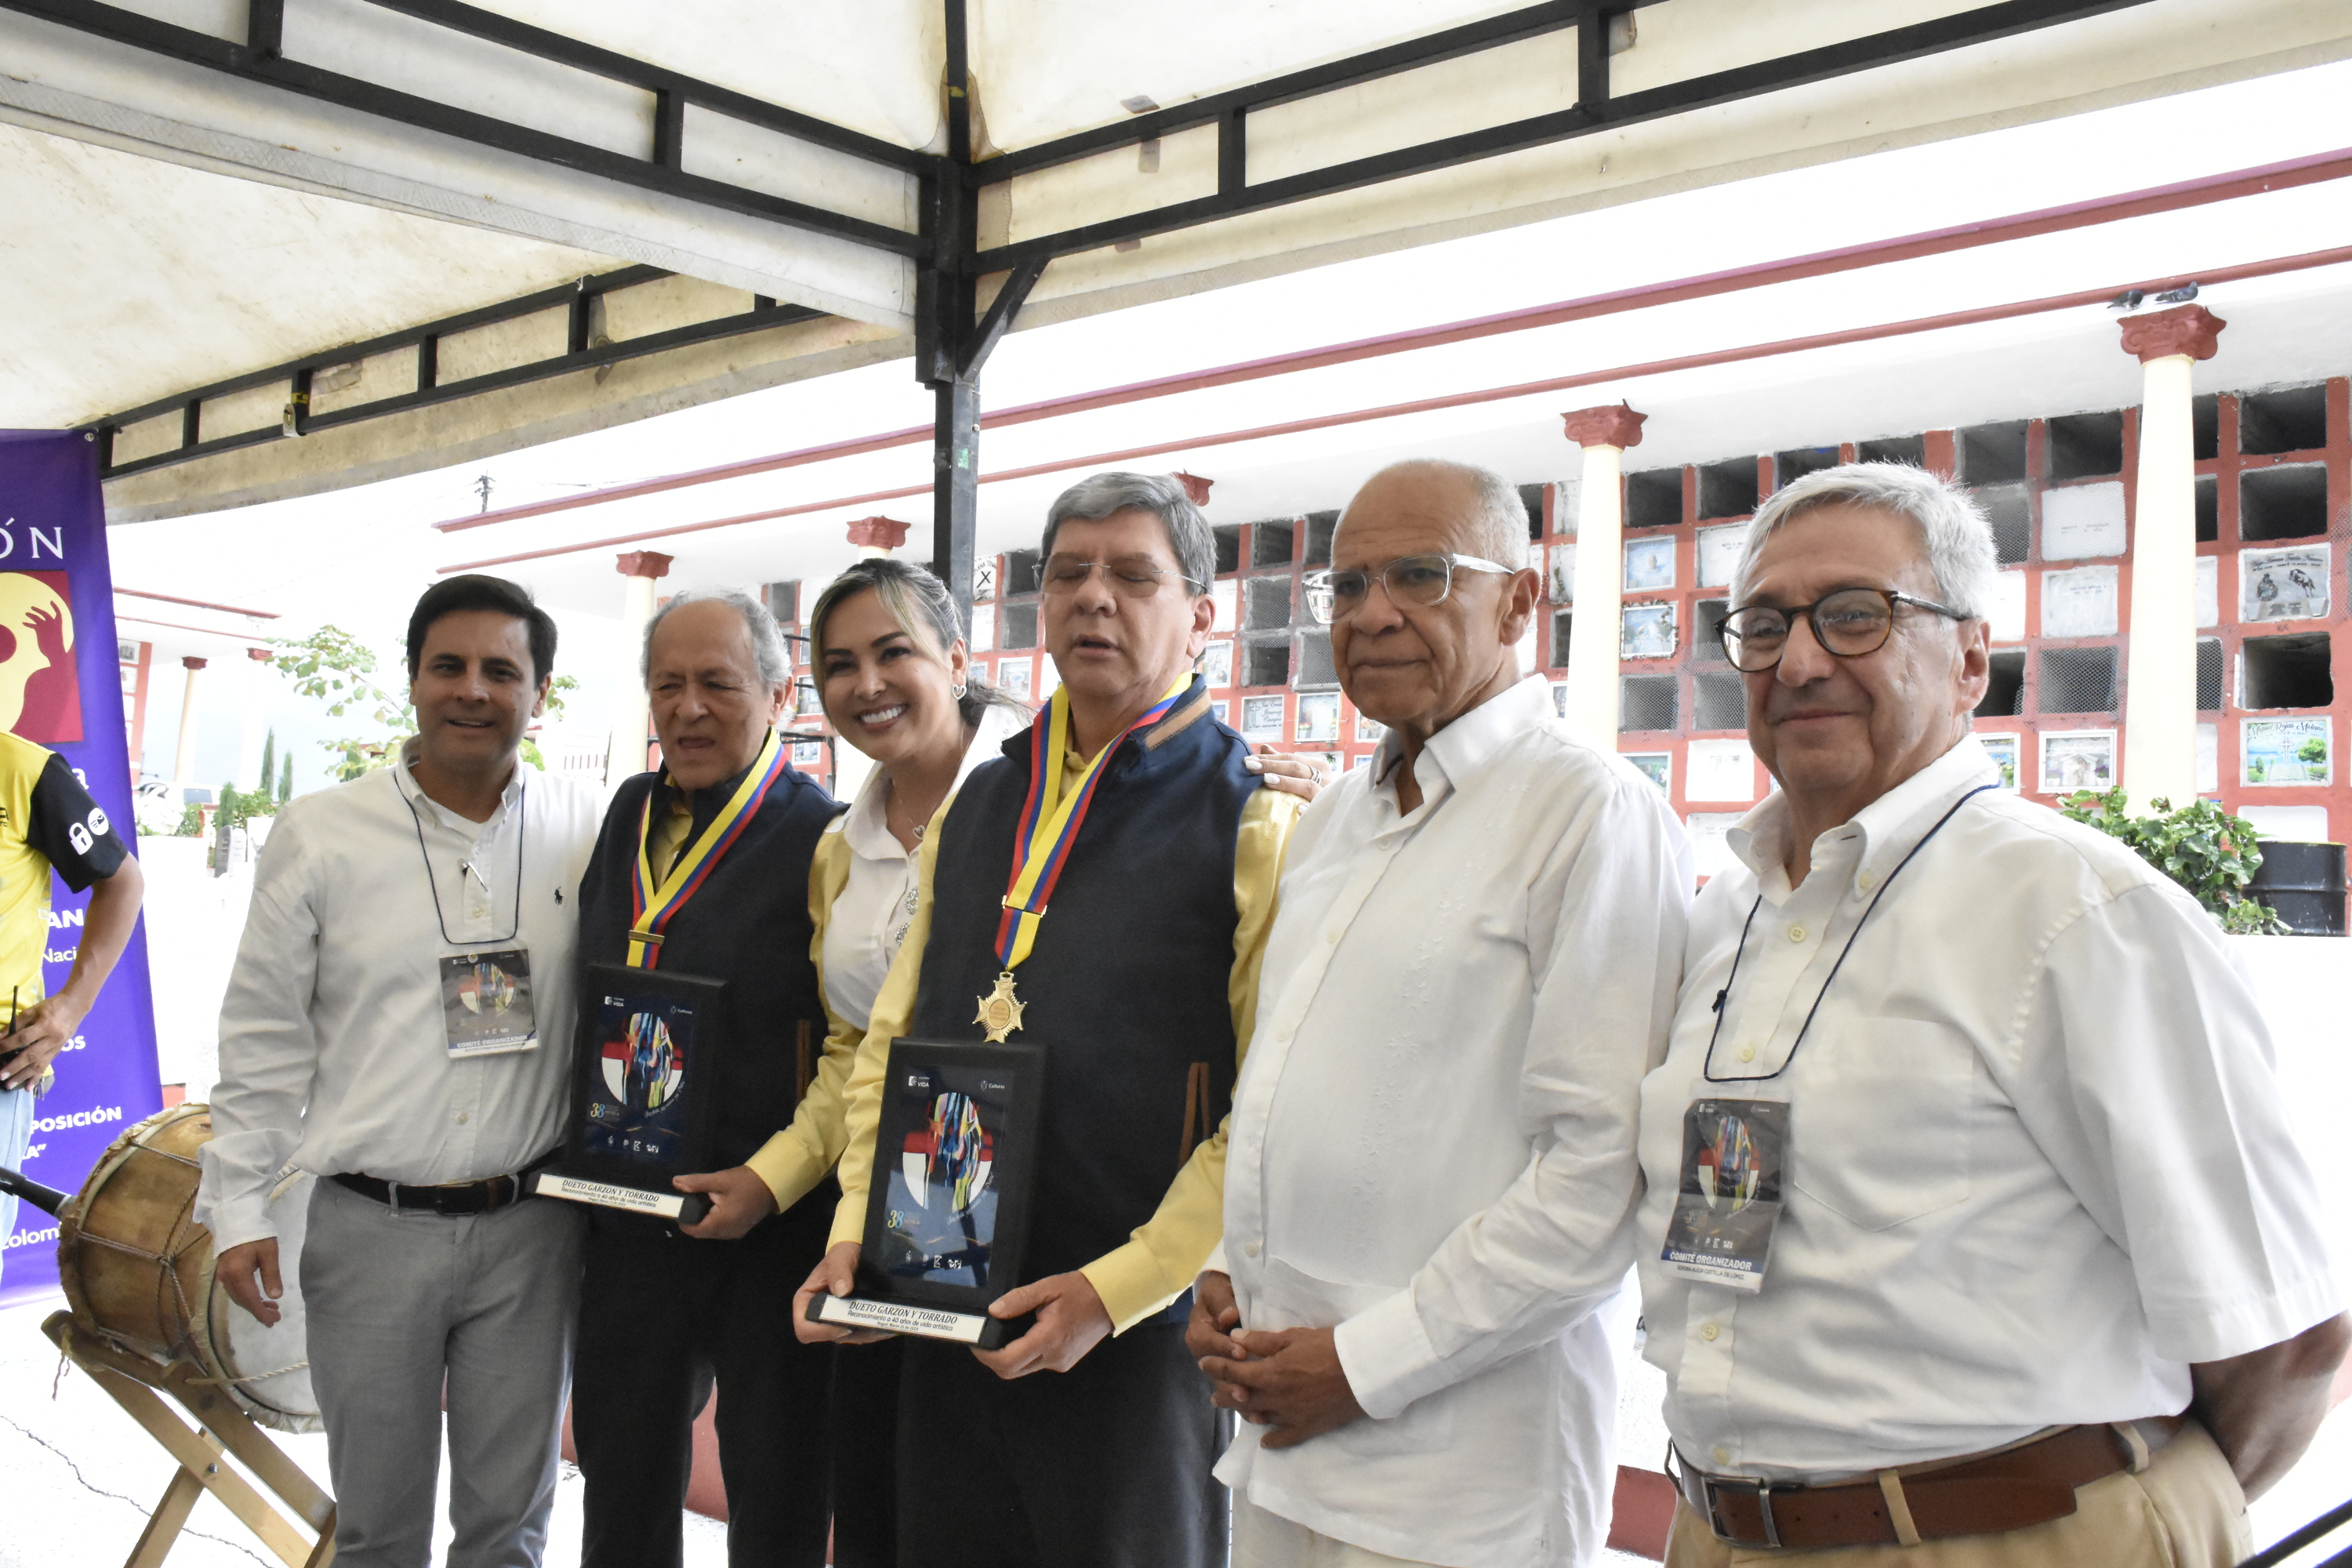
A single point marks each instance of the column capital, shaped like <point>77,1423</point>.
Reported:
<point>1195,486</point>
<point>192,662</point>
<point>259,655</point>
<point>1612,425</point>
<point>643,564</point>
<point>879,534</point>
<point>2190,330</point>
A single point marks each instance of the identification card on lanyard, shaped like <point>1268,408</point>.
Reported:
<point>486,1007</point>
<point>1733,1152</point>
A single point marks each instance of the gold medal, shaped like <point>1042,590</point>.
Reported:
<point>1000,1009</point>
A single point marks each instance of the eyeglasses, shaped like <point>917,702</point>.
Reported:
<point>1848,623</point>
<point>1415,581</point>
<point>1130,576</point>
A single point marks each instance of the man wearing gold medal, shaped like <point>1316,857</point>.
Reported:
<point>702,869</point>
<point>1104,890</point>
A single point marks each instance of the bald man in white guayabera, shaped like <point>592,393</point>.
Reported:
<point>1431,1171</point>
<point>1975,1231</point>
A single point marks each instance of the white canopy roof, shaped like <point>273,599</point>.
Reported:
<point>201,196</point>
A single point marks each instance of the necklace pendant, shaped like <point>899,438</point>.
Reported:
<point>1000,1009</point>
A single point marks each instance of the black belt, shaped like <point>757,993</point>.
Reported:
<point>450,1198</point>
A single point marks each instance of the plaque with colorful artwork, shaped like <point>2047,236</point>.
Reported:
<point>948,1211</point>
<point>640,1114</point>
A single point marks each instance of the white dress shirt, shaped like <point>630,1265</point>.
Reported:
<point>2038,1160</point>
<point>333,1054</point>
<point>870,915</point>
<point>1433,1136</point>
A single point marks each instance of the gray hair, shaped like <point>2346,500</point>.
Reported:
<point>1497,525</point>
<point>1955,534</point>
<point>768,652</point>
<point>1098,496</point>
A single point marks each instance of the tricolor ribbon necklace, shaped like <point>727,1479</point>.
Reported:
<point>653,901</point>
<point>1050,820</point>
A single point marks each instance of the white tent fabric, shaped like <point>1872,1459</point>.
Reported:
<point>1040,69</point>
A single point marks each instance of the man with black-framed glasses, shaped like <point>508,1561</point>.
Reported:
<point>1975,1231</point>
<point>1433,1154</point>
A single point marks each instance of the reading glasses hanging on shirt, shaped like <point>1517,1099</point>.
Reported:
<point>1413,580</point>
<point>1848,623</point>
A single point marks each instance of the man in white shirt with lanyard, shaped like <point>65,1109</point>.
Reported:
<point>399,1025</point>
<point>1975,1230</point>
<point>1431,1168</point>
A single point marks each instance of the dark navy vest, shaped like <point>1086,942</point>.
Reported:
<point>1128,984</point>
<point>748,925</point>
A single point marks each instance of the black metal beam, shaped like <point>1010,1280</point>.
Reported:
<point>945,292</point>
<point>652,172</point>
<point>1983,25</point>
<point>430,389</point>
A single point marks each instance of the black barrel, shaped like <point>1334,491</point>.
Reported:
<point>2304,883</point>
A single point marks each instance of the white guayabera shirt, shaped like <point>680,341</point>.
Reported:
<point>2039,1163</point>
<point>333,1053</point>
<point>1432,1139</point>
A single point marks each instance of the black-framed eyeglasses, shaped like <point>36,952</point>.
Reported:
<point>1130,576</point>
<point>1848,623</point>
<point>1418,581</point>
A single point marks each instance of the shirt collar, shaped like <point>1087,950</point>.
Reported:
<point>404,778</point>
<point>705,804</point>
<point>865,825</point>
<point>1880,835</point>
<point>1450,756</point>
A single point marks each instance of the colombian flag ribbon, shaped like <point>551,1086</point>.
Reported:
<point>1041,846</point>
<point>652,901</point>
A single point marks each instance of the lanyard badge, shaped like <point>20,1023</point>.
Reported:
<point>1735,1152</point>
<point>486,1002</point>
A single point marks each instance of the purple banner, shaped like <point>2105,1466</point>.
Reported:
<point>61,687</point>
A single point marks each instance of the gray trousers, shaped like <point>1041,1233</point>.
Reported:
<point>398,1307</point>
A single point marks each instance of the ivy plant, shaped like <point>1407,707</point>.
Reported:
<point>2207,851</point>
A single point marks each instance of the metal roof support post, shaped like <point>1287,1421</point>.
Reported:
<point>951,342</point>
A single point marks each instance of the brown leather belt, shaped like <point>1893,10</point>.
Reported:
<point>2026,1484</point>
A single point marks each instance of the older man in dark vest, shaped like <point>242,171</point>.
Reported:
<point>1142,984</point>
<point>664,1312</point>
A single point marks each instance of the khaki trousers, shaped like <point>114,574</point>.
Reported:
<point>2184,1510</point>
<point>1264,1539</point>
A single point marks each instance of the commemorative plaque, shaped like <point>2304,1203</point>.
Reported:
<point>947,1208</point>
<point>641,1109</point>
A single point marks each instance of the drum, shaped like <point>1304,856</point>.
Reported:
<point>138,1271</point>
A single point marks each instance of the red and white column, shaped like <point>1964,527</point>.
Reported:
<point>2160,653</point>
<point>632,712</point>
<point>1594,633</point>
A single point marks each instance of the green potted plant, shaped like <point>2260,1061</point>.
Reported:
<point>2209,851</point>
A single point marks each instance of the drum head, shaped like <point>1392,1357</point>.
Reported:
<point>267,1366</point>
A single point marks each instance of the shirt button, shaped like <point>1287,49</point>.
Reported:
<point>1796,933</point>
<point>462,1119</point>
<point>1722,1455</point>
<point>1747,1053</point>
<point>1868,881</point>
<point>1251,1249</point>
<point>1707,1331</point>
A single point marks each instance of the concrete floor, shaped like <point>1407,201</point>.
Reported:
<point>77,1478</point>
